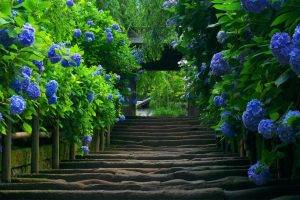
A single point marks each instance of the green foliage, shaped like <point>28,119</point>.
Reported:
<point>54,22</point>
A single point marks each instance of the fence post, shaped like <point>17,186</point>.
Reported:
<point>102,140</point>
<point>73,151</point>
<point>108,137</point>
<point>35,142</point>
<point>6,154</point>
<point>55,146</point>
<point>97,141</point>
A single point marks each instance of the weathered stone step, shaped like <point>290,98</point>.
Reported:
<point>150,164</point>
<point>139,177</point>
<point>155,143</point>
<point>203,194</point>
<point>225,183</point>
<point>155,156</point>
<point>161,129</point>
<point>155,126</point>
<point>288,197</point>
<point>163,133</point>
<point>143,170</point>
<point>161,137</point>
<point>132,147</point>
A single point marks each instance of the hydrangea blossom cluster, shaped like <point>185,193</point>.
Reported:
<point>70,3</point>
<point>53,55</point>
<point>285,131</point>
<point>107,77</point>
<point>33,91</point>
<point>26,71</point>
<point>77,33</point>
<point>222,37</point>
<point>266,128</point>
<point>295,60</point>
<point>110,97</point>
<point>90,96</point>
<point>27,35</point>
<point>17,105</point>
<point>109,35</point>
<point>227,130</point>
<point>219,66</point>
<point>122,118</point>
<point>51,90</point>
<point>281,46</point>
<point>72,61</point>
<point>138,55</point>
<point>99,71</point>
<point>255,6</point>
<point>225,114</point>
<point>169,3</point>
<point>121,99</point>
<point>39,65</point>
<point>5,40</point>
<point>1,117</point>
<point>89,36</point>
<point>87,140</point>
<point>171,22</point>
<point>85,150</point>
<point>278,4</point>
<point>219,101</point>
<point>90,22</point>
<point>253,115</point>
<point>259,173</point>
<point>20,1</point>
<point>116,27</point>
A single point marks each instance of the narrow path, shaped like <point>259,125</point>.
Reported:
<point>151,159</point>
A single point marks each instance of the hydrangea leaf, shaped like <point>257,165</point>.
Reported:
<point>27,128</point>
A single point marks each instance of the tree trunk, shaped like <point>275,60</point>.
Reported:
<point>102,140</point>
<point>72,151</point>
<point>55,147</point>
<point>35,142</point>
<point>6,154</point>
<point>108,137</point>
<point>97,141</point>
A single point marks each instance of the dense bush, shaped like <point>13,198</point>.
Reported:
<point>250,75</point>
<point>51,54</point>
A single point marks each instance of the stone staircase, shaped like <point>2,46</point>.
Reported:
<point>151,158</point>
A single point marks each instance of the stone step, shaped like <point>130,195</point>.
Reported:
<point>155,143</point>
<point>162,133</point>
<point>161,137</point>
<point>151,163</point>
<point>155,156</point>
<point>161,129</point>
<point>204,194</point>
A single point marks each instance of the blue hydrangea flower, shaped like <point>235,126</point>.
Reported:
<point>90,22</point>
<point>285,133</point>
<point>27,35</point>
<point>70,3</point>
<point>25,83</point>
<point>295,60</point>
<point>51,88</point>
<point>17,105</point>
<point>227,130</point>
<point>169,3</point>
<point>66,63</point>
<point>122,118</point>
<point>116,27</point>
<point>91,96</point>
<point>110,97</point>
<point>255,6</point>
<point>20,1</point>
<point>77,33</point>
<point>171,22</point>
<point>202,68</point>
<point>26,71</point>
<point>174,44</point>
<point>219,66</point>
<point>259,173</point>
<point>52,99</point>
<point>33,91</point>
<point>296,37</point>
<point>225,114</point>
<point>121,99</point>
<point>76,60</point>
<point>39,65</point>
<point>53,55</point>
<point>89,36</point>
<point>253,115</point>
<point>289,114</point>
<point>266,128</point>
<point>219,101</point>
<point>221,37</point>
<point>1,117</point>
<point>281,46</point>
<point>16,85</point>
<point>118,77</point>
<point>109,37</point>
<point>107,77</point>
<point>85,150</point>
<point>87,140</point>
<point>99,71</point>
<point>5,40</point>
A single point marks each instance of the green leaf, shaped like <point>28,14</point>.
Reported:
<point>294,121</point>
<point>27,128</point>
<point>5,8</point>
<point>283,78</point>
<point>274,116</point>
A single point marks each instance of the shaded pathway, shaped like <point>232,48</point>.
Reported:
<point>151,158</point>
